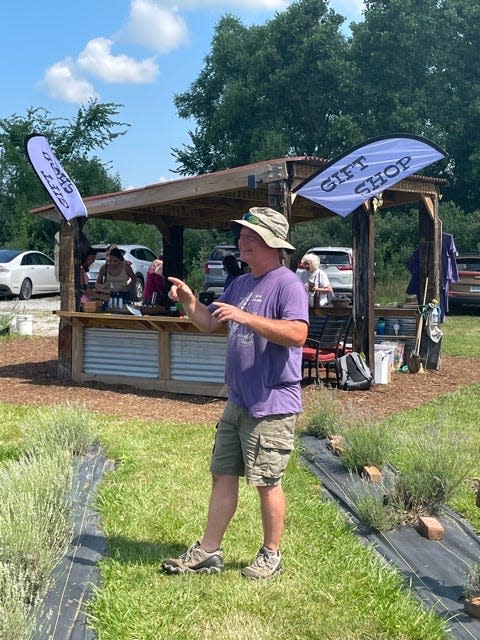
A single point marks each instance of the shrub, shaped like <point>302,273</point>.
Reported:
<point>366,444</point>
<point>324,414</point>
<point>432,469</point>
<point>17,613</point>
<point>35,513</point>
<point>471,586</point>
<point>7,315</point>
<point>68,428</point>
<point>372,507</point>
<point>35,517</point>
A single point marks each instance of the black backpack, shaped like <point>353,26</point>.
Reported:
<point>353,373</point>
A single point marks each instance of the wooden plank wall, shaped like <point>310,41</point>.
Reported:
<point>363,228</point>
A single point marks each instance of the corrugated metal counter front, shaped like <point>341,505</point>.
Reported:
<point>151,352</point>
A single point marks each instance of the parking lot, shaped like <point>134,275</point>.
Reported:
<point>40,309</point>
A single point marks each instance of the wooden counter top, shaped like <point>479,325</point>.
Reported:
<point>170,324</point>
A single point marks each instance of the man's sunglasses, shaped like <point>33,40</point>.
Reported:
<point>251,217</point>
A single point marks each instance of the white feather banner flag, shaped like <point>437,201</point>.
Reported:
<point>368,169</point>
<point>54,178</point>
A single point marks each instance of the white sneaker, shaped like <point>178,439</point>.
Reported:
<point>266,565</point>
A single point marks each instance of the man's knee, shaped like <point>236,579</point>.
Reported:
<point>224,480</point>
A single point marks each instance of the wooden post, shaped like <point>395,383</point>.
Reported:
<point>430,248</point>
<point>430,265</point>
<point>172,257</point>
<point>280,199</point>
<point>69,273</point>
<point>363,227</point>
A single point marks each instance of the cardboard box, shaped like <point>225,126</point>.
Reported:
<point>394,350</point>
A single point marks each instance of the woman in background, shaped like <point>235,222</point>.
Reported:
<point>116,275</point>
<point>318,285</point>
<point>154,283</point>
<point>232,268</point>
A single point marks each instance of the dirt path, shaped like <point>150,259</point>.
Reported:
<point>28,373</point>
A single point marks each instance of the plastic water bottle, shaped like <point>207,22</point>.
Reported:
<point>381,327</point>
<point>435,316</point>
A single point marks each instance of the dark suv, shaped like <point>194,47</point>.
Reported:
<point>467,290</point>
<point>214,278</point>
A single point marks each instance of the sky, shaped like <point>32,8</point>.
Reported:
<point>138,53</point>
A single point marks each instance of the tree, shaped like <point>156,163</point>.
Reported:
<point>73,141</point>
<point>416,71</point>
<point>268,91</point>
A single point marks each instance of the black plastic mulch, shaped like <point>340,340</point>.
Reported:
<point>64,616</point>
<point>436,570</point>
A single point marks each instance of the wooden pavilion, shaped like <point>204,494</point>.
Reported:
<point>210,200</point>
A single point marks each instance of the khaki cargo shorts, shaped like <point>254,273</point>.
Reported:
<point>257,448</point>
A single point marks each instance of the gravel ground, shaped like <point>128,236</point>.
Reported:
<point>40,308</point>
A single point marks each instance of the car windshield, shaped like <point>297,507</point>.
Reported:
<point>468,264</point>
<point>6,255</point>
<point>102,255</point>
<point>334,258</point>
<point>220,252</point>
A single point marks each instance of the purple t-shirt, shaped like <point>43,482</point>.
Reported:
<point>261,376</point>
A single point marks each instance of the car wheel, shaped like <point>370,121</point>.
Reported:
<point>26,290</point>
<point>139,287</point>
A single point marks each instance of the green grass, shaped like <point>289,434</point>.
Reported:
<point>461,335</point>
<point>154,504</point>
<point>387,293</point>
<point>11,440</point>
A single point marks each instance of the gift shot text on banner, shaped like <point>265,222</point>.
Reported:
<point>54,178</point>
<point>371,183</point>
<point>368,169</point>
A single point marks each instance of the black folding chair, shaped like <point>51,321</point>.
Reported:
<point>316,325</point>
<point>322,351</point>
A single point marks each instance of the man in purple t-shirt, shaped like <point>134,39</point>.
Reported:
<point>267,314</point>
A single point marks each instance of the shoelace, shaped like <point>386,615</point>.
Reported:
<point>188,553</point>
<point>264,559</point>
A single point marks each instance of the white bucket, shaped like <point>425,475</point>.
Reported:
<point>25,325</point>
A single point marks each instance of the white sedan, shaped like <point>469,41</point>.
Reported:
<point>26,273</point>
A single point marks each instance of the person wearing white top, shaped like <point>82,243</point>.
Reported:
<point>318,285</point>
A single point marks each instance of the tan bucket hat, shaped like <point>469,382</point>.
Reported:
<point>270,225</point>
